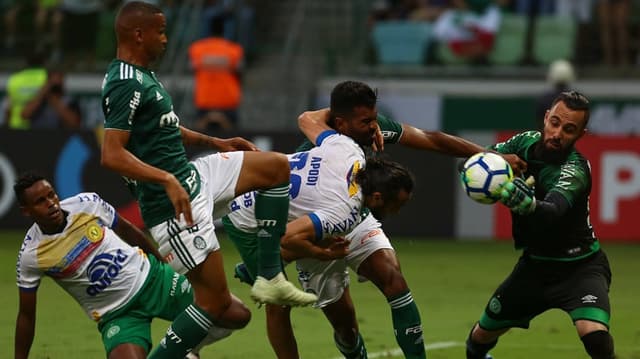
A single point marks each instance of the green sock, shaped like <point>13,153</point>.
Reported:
<point>272,211</point>
<point>407,325</point>
<point>358,351</point>
<point>184,334</point>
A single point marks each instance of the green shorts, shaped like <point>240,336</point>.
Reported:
<point>580,288</point>
<point>165,294</point>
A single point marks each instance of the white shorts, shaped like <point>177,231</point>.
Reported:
<point>185,247</point>
<point>328,279</point>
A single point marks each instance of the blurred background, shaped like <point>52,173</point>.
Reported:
<point>481,69</point>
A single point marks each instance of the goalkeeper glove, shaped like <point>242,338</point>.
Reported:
<point>519,195</point>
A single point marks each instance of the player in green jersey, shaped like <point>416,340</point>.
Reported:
<point>562,264</point>
<point>371,254</point>
<point>144,142</point>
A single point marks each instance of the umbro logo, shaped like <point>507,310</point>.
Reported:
<point>589,298</point>
<point>158,96</point>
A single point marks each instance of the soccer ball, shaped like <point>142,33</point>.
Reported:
<point>482,175</point>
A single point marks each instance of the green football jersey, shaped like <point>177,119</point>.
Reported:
<point>570,237</point>
<point>134,100</point>
<point>391,131</point>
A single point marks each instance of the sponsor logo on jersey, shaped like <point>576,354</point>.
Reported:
<point>589,298</point>
<point>133,104</point>
<point>174,284</point>
<point>103,269</point>
<point>371,234</point>
<point>351,178</point>
<point>343,226</point>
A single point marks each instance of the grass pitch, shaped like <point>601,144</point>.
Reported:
<point>450,281</point>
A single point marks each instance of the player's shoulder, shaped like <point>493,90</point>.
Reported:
<point>577,160</point>
<point>30,240</point>
<point>122,75</point>
<point>81,200</point>
<point>527,136</point>
<point>521,140</point>
<point>331,138</point>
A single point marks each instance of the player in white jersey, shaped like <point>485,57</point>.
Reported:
<point>371,254</point>
<point>382,185</point>
<point>80,243</point>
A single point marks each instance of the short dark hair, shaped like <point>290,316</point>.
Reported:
<point>384,176</point>
<point>348,95</point>
<point>140,7</point>
<point>576,101</point>
<point>133,10</point>
<point>25,181</point>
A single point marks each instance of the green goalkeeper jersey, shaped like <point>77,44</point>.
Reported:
<point>571,236</point>
<point>134,100</point>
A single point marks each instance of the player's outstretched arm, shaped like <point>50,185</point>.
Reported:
<point>447,144</point>
<point>25,324</point>
<point>117,158</point>
<point>299,242</point>
<point>438,141</point>
<point>132,235</point>
<point>194,138</point>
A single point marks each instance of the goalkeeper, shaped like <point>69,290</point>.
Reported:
<point>562,264</point>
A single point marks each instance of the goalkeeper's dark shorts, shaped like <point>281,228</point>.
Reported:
<point>580,288</point>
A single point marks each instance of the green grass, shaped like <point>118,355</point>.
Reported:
<point>451,283</point>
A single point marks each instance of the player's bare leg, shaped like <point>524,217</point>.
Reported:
<point>280,332</point>
<point>129,351</point>
<point>342,316</point>
<point>213,307</point>
<point>383,269</point>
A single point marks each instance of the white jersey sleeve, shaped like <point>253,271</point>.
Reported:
<point>322,186</point>
<point>87,258</point>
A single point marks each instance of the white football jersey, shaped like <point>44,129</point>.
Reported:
<point>322,186</point>
<point>87,259</point>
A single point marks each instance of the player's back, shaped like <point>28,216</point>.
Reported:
<point>322,186</point>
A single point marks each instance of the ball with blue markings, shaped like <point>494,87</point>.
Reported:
<point>482,176</point>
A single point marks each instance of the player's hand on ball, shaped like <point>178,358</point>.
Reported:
<point>519,195</point>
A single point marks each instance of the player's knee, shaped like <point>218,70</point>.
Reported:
<point>237,315</point>
<point>280,169</point>
<point>599,344</point>
<point>393,283</point>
